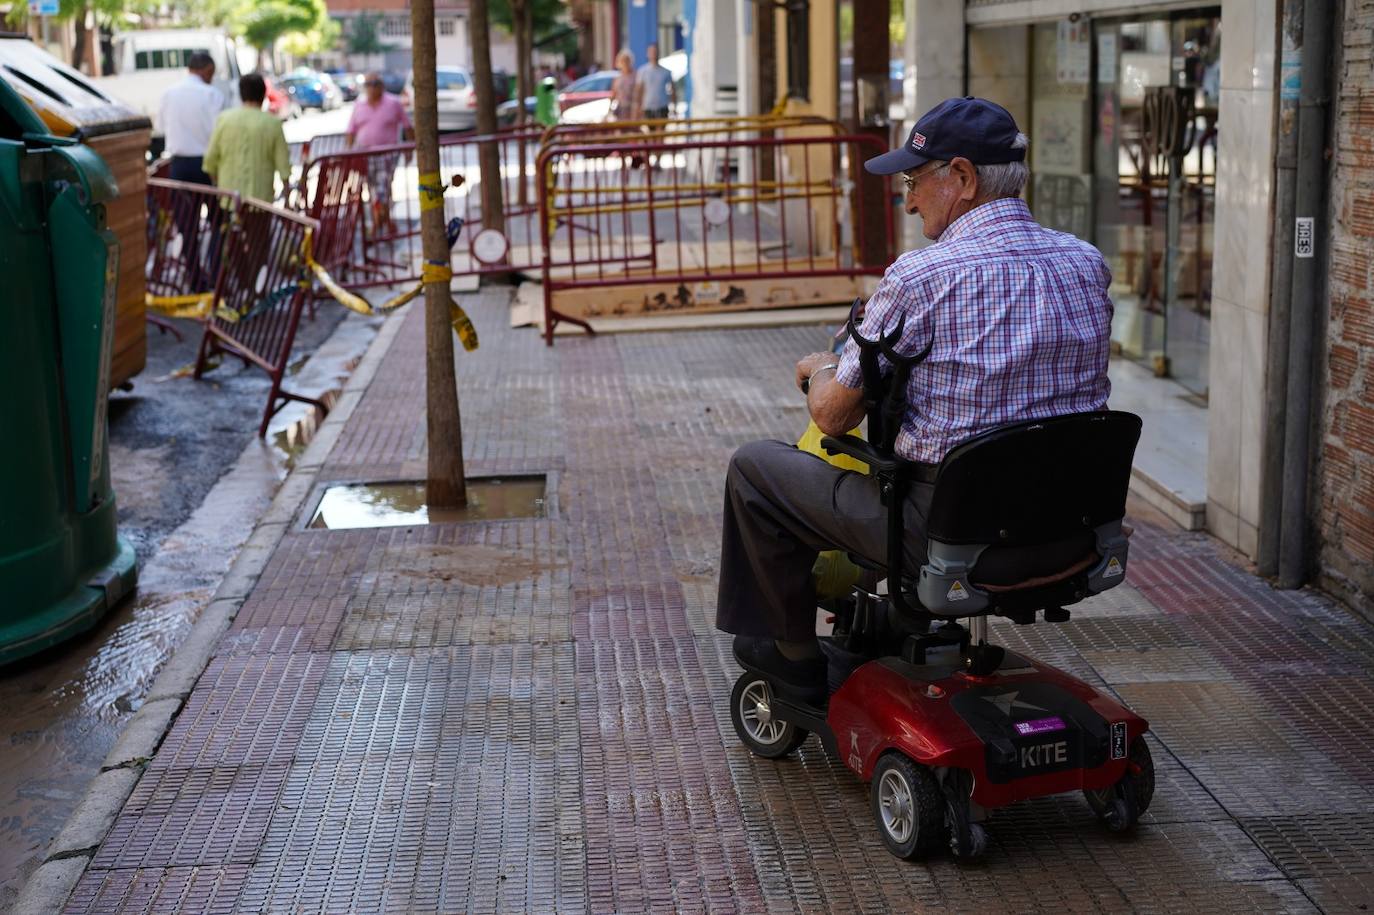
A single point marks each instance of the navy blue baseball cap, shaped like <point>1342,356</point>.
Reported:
<point>980,131</point>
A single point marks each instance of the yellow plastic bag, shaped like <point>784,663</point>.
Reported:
<point>834,575</point>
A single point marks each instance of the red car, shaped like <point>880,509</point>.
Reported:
<point>278,102</point>
<point>589,88</point>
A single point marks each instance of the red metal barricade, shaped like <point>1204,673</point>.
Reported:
<point>386,213</point>
<point>263,283</point>
<point>185,227</point>
<point>711,225</point>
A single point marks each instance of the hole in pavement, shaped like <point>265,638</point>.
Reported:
<point>355,505</point>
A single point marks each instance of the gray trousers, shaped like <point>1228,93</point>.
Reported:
<point>782,507</point>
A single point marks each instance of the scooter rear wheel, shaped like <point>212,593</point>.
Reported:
<point>1124,803</point>
<point>751,712</point>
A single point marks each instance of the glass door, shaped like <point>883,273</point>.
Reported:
<point>1154,158</point>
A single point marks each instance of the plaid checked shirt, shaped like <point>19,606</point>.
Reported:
<point>1021,324</point>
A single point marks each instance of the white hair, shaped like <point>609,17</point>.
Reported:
<point>1006,179</point>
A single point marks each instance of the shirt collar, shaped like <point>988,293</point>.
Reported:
<point>982,219</point>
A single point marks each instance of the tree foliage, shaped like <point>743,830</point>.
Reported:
<point>263,22</point>
<point>365,35</point>
<point>546,15</point>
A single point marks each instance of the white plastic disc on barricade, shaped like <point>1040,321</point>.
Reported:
<point>489,246</point>
<point>716,211</point>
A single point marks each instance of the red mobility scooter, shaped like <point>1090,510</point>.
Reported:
<point>1026,520</point>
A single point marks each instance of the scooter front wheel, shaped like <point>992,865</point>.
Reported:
<point>751,712</point>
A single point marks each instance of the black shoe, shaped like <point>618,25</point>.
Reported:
<point>803,681</point>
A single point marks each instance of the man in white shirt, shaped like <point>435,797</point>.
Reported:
<point>188,115</point>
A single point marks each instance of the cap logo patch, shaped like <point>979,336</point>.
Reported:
<point>918,140</point>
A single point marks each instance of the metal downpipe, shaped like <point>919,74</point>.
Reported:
<point>1308,288</point>
<point>1280,294</point>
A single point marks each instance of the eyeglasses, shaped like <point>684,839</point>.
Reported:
<point>373,82</point>
<point>909,181</point>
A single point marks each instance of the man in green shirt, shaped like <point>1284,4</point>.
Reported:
<point>248,146</point>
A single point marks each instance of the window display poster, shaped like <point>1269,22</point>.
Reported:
<point>1059,132</point>
<point>1074,52</point>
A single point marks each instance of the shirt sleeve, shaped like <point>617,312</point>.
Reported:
<point>352,127</point>
<point>405,118</point>
<point>210,164</point>
<point>281,156</point>
<point>896,300</point>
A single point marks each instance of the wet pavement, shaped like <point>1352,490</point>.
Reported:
<point>191,480</point>
<point>531,714</point>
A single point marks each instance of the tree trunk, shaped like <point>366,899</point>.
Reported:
<point>79,42</point>
<point>445,486</point>
<point>488,154</point>
<point>521,15</point>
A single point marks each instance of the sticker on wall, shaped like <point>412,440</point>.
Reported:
<point>1304,244</point>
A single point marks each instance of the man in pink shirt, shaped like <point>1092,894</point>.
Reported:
<point>379,119</point>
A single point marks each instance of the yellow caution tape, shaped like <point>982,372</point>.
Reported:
<point>435,273</point>
<point>195,305</point>
<point>431,191</point>
<point>462,325</point>
<point>349,300</point>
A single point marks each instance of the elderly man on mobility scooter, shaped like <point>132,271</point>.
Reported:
<point>999,479</point>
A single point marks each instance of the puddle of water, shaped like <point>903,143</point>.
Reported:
<point>401,504</point>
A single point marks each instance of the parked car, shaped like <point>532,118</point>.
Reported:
<point>590,88</point>
<point>506,111</point>
<point>279,101</point>
<point>333,94</point>
<point>455,94</point>
<point>395,83</point>
<point>349,84</point>
<point>306,91</point>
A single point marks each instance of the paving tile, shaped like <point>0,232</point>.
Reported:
<point>207,890</point>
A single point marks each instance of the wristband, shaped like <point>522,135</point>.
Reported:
<point>806,382</point>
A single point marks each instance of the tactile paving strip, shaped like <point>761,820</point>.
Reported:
<point>664,828</point>
<point>1322,845</point>
<point>435,781</point>
<point>1253,761</point>
<point>203,890</point>
<point>455,584</point>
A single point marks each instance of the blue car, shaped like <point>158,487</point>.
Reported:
<point>305,91</point>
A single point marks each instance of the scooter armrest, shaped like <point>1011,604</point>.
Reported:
<point>860,450</point>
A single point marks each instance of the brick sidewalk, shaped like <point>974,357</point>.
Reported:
<point>532,715</point>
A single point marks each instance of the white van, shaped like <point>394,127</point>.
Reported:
<point>147,62</point>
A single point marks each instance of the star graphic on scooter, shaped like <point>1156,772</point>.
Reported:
<point>1007,702</point>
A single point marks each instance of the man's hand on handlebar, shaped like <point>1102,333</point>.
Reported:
<point>807,366</point>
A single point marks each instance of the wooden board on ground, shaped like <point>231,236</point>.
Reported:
<point>726,295</point>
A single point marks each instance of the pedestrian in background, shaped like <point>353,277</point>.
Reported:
<point>623,88</point>
<point>379,119</point>
<point>654,92</point>
<point>188,113</point>
<point>248,148</point>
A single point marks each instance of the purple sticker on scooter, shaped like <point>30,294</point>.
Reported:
<point>1040,726</point>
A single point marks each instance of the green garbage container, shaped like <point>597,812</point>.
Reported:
<point>546,102</point>
<point>62,563</point>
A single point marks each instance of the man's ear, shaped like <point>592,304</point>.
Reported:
<point>968,177</point>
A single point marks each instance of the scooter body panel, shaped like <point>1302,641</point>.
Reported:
<point>1027,730</point>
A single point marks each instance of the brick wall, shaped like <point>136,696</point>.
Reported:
<point>1346,471</point>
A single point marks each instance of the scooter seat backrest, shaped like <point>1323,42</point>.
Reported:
<point>1035,482</point>
<point>1024,496</point>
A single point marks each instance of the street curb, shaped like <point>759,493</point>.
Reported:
<point>49,886</point>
